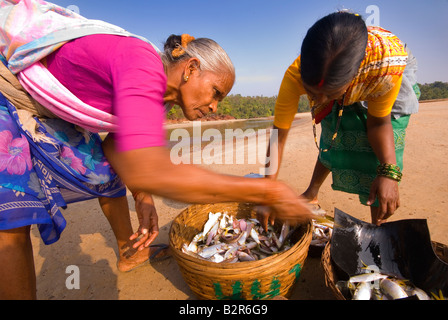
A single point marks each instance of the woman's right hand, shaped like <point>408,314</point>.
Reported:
<point>284,205</point>
<point>148,229</point>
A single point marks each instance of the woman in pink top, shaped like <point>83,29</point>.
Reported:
<point>128,78</point>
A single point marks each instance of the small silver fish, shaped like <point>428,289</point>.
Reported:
<point>217,258</point>
<point>231,253</point>
<point>209,252</point>
<point>421,295</point>
<point>367,277</point>
<point>393,289</point>
<point>284,232</point>
<point>243,256</point>
<point>276,240</point>
<point>223,221</point>
<point>254,235</point>
<point>249,245</point>
<point>363,291</point>
<point>245,234</point>
<point>212,219</point>
<point>225,238</point>
<point>212,233</point>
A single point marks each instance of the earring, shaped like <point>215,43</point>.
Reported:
<point>185,78</point>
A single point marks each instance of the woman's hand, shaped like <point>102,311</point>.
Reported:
<point>265,215</point>
<point>147,216</point>
<point>287,206</point>
<point>386,190</point>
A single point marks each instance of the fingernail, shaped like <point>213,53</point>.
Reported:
<point>144,231</point>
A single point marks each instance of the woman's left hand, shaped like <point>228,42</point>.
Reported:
<point>148,219</point>
<point>386,190</point>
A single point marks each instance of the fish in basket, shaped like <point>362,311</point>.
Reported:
<point>228,239</point>
<point>223,253</point>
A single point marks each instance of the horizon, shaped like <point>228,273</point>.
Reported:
<point>263,38</point>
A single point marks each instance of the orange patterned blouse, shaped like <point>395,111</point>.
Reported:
<point>377,82</point>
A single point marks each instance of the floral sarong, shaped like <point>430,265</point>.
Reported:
<point>40,176</point>
<point>37,179</point>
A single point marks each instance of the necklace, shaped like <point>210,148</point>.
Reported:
<point>335,134</point>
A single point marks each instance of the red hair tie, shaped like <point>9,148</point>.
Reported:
<point>321,83</point>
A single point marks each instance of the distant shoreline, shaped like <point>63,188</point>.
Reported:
<point>211,122</point>
<point>187,123</point>
<point>433,100</point>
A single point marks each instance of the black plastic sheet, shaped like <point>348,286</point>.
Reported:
<point>401,249</point>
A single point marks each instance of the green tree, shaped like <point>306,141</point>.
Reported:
<point>435,90</point>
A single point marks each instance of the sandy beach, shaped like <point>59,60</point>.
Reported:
<point>89,244</point>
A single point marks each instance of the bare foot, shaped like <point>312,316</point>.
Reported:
<point>310,196</point>
<point>314,204</point>
<point>131,258</point>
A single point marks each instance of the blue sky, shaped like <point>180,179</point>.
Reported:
<point>263,37</point>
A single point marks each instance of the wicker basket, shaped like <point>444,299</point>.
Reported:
<point>331,278</point>
<point>261,279</point>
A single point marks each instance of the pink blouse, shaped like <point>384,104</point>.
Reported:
<point>120,75</point>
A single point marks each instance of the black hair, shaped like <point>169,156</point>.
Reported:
<point>172,43</point>
<point>333,50</point>
<point>210,54</point>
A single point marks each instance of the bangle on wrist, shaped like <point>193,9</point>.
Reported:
<point>389,170</point>
<point>135,194</point>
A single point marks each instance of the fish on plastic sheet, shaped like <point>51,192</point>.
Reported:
<point>378,286</point>
<point>359,247</point>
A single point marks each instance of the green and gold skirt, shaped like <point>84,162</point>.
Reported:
<point>351,159</point>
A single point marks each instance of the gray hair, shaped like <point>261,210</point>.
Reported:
<point>211,55</point>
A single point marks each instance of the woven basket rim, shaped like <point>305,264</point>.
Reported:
<point>329,272</point>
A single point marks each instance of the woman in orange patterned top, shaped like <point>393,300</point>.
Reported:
<point>361,84</point>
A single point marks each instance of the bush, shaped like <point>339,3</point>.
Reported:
<point>435,90</point>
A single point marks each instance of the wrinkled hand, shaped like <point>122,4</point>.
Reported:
<point>265,215</point>
<point>288,207</point>
<point>148,220</point>
<point>386,190</point>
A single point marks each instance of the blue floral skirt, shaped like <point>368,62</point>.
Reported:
<point>37,179</point>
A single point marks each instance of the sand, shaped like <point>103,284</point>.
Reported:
<point>88,242</point>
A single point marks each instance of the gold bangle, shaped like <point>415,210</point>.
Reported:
<point>389,170</point>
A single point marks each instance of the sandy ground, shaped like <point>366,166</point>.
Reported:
<point>89,244</point>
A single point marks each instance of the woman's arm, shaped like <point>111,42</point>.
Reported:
<point>151,170</point>
<point>381,137</point>
<point>275,153</point>
<point>286,105</point>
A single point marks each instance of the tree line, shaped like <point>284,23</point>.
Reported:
<point>435,90</point>
<point>246,107</point>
